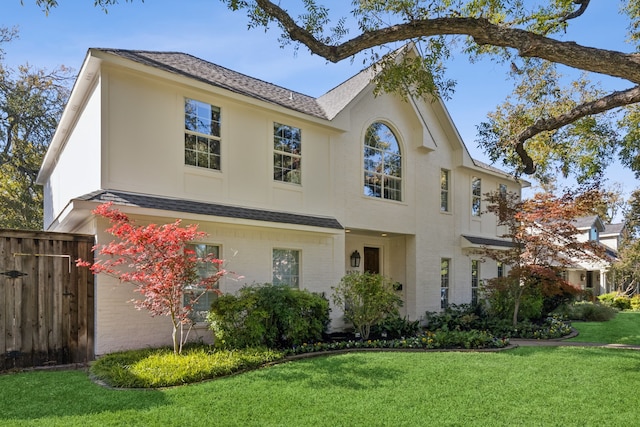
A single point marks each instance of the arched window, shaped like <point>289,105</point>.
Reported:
<point>382,163</point>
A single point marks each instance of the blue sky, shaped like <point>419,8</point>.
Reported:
<point>206,29</point>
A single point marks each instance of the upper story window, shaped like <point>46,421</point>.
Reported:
<point>201,134</point>
<point>502,189</point>
<point>444,190</point>
<point>476,196</point>
<point>594,235</point>
<point>287,153</point>
<point>382,163</point>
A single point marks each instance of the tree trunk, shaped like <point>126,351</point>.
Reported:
<point>516,305</point>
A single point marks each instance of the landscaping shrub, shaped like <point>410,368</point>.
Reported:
<point>162,368</point>
<point>615,300</point>
<point>367,300</point>
<point>274,316</point>
<point>587,311</point>
<point>469,318</point>
<point>501,302</point>
<point>426,340</point>
<point>635,302</point>
<point>622,302</point>
<point>608,298</point>
<point>464,317</point>
<point>395,326</point>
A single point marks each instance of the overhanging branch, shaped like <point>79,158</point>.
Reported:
<point>609,102</point>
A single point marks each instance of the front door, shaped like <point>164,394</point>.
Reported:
<point>372,260</point>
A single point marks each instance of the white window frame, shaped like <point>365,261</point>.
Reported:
<point>281,277</point>
<point>476,196</point>
<point>289,159</point>
<point>500,268</point>
<point>475,280</point>
<point>202,270</point>
<point>445,281</point>
<point>202,135</point>
<point>379,174</point>
<point>445,190</point>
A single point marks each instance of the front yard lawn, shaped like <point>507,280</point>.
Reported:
<point>525,386</point>
<point>624,328</point>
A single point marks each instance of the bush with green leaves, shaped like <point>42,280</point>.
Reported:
<point>367,300</point>
<point>500,294</point>
<point>273,316</point>
<point>616,300</point>
<point>160,367</point>
<point>635,302</point>
<point>469,318</point>
<point>587,311</point>
<point>394,326</point>
<point>462,317</point>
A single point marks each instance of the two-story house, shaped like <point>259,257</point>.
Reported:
<point>593,275</point>
<point>290,188</point>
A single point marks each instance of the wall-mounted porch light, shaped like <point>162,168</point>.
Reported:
<point>355,259</point>
<point>582,277</point>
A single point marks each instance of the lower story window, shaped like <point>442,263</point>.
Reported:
<point>445,265</point>
<point>199,298</point>
<point>286,267</point>
<point>475,280</point>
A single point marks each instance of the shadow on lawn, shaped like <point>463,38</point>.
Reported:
<point>353,371</point>
<point>34,395</point>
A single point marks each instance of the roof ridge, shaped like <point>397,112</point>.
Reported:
<point>217,75</point>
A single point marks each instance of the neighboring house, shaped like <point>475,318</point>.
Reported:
<point>291,189</point>
<point>592,275</point>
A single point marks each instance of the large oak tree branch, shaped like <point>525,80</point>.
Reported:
<point>483,32</point>
<point>609,102</point>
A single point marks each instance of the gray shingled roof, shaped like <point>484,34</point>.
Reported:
<point>211,209</point>
<point>215,75</point>
<point>613,228</point>
<point>484,241</point>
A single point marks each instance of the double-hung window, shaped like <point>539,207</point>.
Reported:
<point>201,134</point>
<point>199,298</point>
<point>287,154</point>
<point>445,266</point>
<point>475,280</point>
<point>382,163</point>
<point>500,266</point>
<point>444,190</point>
<point>476,196</point>
<point>286,267</point>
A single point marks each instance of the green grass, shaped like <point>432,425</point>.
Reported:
<point>624,328</point>
<point>525,386</point>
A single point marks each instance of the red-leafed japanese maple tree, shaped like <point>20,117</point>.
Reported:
<point>157,260</point>
<point>544,241</point>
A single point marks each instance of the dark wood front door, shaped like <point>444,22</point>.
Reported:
<point>372,260</point>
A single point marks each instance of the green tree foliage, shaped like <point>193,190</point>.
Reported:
<point>544,240</point>
<point>273,316</point>
<point>367,300</point>
<point>31,102</point>
<point>626,270</point>
<point>570,125</point>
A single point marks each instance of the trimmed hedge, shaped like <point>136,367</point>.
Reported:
<point>273,316</point>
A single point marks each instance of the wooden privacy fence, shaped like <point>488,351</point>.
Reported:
<point>46,302</point>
